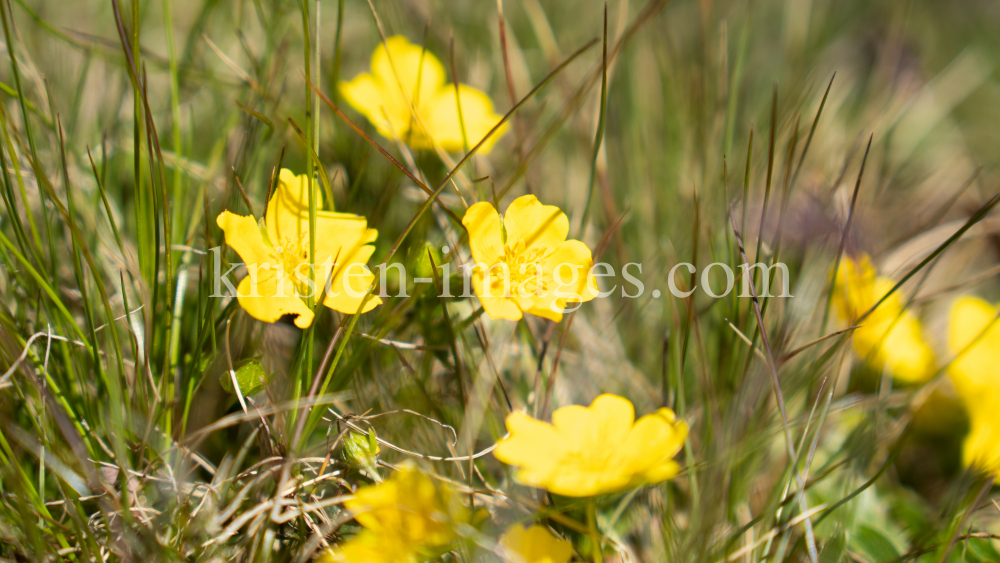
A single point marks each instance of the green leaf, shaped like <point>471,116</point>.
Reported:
<point>874,544</point>
<point>981,549</point>
<point>250,375</point>
<point>833,551</point>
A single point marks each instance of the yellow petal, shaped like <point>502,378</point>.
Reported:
<point>482,222</point>
<point>269,303</point>
<point>287,215</point>
<point>381,104</point>
<point>408,68</point>
<point>854,280</point>
<point>530,442</point>
<point>981,448</point>
<point>604,424</point>
<point>890,307</point>
<point>579,480</point>
<point>546,304</point>
<point>859,288</point>
<point>368,547</point>
<point>661,432</point>
<point>341,240</point>
<point>895,344</point>
<point>534,224</point>
<point>615,413</point>
<point>491,298</point>
<point>534,545</point>
<point>243,236</point>
<point>404,76</point>
<point>908,358</point>
<point>570,264</point>
<point>593,450</point>
<point>889,338</point>
<point>969,316</point>
<point>974,335</point>
<point>568,280</point>
<point>658,473</point>
<point>340,299</point>
<point>652,442</point>
<point>545,311</point>
<point>445,123</point>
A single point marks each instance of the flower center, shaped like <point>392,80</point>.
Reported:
<point>293,258</point>
<point>525,269</point>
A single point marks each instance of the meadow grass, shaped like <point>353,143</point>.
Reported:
<point>802,132</point>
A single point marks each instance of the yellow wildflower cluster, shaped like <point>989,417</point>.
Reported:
<point>522,260</point>
<point>523,264</point>
<point>409,518</point>
<point>891,338</point>
<point>586,451</point>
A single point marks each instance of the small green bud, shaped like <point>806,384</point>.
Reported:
<point>421,257</point>
<point>250,375</point>
<point>361,452</point>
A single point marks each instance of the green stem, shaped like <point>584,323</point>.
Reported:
<point>595,535</point>
<point>305,367</point>
<point>599,136</point>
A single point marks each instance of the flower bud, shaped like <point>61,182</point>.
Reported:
<point>421,257</point>
<point>361,452</point>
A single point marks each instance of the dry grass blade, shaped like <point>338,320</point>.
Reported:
<point>806,346</point>
<point>746,339</point>
<point>347,421</point>
<point>774,533</point>
<point>776,382</point>
<point>229,62</point>
<point>843,238</point>
<point>599,135</point>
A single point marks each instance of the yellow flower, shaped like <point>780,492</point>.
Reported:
<point>534,545</point>
<point>523,262</point>
<point>277,256</point>
<point>408,506</point>
<point>406,76</point>
<point>593,450</point>
<point>368,547</point>
<point>889,337</point>
<point>403,518</point>
<point>976,376</point>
